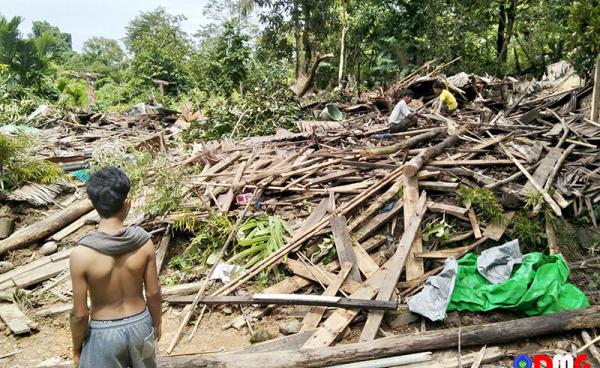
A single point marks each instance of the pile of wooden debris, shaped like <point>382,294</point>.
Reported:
<point>395,206</point>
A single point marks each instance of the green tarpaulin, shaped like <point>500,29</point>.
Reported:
<point>537,286</point>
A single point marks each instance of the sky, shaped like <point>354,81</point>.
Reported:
<point>84,19</point>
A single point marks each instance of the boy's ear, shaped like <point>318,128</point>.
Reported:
<point>127,205</point>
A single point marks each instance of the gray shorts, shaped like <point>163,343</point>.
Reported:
<point>122,343</point>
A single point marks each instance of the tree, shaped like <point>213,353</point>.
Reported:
<point>160,48</point>
<point>584,34</point>
<point>27,59</point>
<point>104,53</point>
<point>62,41</point>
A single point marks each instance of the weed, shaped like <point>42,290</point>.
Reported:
<point>530,232</point>
<point>436,230</point>
<point>136,164</point>
<point>484,201</point>
<point>166,193</point>
<point>533,200</point>
<point>187,223</point>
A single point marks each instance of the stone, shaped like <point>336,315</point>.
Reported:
<point>6,266</point>
<point>290,327</point>
<point>49,248</point>
<point>261,335</point>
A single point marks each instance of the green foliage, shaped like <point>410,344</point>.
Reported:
<point>530,232</point>
<point>166,192</point>
<point>136,164</point>
<point>160,49</point>
<point>436,230</point>
<point>584,34</point>
<point>260,237</point>
<point>210,235</point>
<point>73,93</point>
<point>18,167</point>
<point>483,201</point>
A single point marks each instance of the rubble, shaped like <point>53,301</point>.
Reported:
<point>372,214</point>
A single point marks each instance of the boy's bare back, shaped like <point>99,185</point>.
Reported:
<point>115,283</point>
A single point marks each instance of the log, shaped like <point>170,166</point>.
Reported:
<point>470,336</point>
<point>42,229</point>
<point>414,165</point>
<point>377,152</point>
<point>73,226</point>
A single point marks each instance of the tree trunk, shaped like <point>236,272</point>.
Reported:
<point>342,44</point>
<point>501,28</point>
<point>313,73</point>
<point>510,18</point>
<point>297,40</point>
<point>414,165</point>
<point>376,152</point>
<point>45,227</point>
<point>476,335</point>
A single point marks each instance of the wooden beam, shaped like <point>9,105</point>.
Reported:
<point>162,249</point>
<point>313,317</point>
<point>378,221</point>
<point>343,245</point>
<point>414,266</point>
<point>287,299</point>
<point>395,268</point>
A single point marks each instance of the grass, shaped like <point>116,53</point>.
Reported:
<point>531,232</point>
<point>484,203</point>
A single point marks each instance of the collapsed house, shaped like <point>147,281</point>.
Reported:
<point>367,221</point>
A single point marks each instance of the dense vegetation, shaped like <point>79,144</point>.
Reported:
<point>253,50</point>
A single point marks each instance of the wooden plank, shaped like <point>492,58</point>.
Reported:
<point>341,318</point>
<point>57,309</point>
<point>73,227</point>
<point>414,266</point>
<point>543,171</point>
<point>343,245</point>
<point>366,264</point>
<point>319,274</point>
<point>495,231</point>
<point>474,223</point>
<point>440,186</point>
<point>313,317</point>
<point>330,177</point>
<point>313,219</point>
<point>40,274</point>
<point>287,299</point>
<point>377,204</point>
<point>291,342</point>
<point>446,208</point>
<point>162,249</point>
<point>16,320</point>
<point>403,251</point>
<point>376,222</point>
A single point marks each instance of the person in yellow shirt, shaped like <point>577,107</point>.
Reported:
<point>448,103</point>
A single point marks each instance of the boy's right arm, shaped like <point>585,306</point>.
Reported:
<point>152,286</point>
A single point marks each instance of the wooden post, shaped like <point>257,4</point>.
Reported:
<point>595,117</point>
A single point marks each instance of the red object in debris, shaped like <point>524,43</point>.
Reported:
<point>243,198</point>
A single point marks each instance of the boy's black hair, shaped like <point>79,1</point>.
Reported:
<point>407,92</point>
<point>439,85</point>
<point>108,189</point>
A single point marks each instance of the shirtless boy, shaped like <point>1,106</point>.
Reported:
<point>115,264</point>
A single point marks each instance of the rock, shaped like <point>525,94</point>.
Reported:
<point>290,327</point>
<point>260,335</point>
<point>6,266</point>
<point>48,248</point>
<point>227,311</point>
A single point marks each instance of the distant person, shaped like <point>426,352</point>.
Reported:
<point>448,103</point>
<point>403,117</point>
<point>115,264</point>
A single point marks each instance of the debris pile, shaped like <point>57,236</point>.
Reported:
<point>346,210</point>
